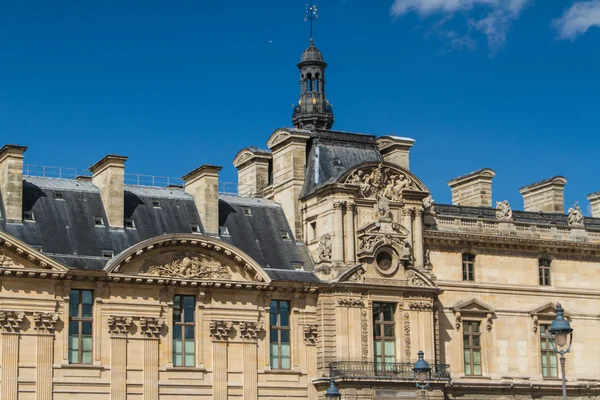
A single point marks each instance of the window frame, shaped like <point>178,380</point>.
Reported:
<point>28,216</point>
<point>59,196</point>
<point>277,329</point>
<point>98,221</point>
<point>383,338</point>
<point>195,228</point>
<point>181,323</point>
<point>466,331</point>
<point>548,353</point>
<point>80,320</point>
<point>468,267</point>
<point>130,223</point>
<point>155,203</point>
<point>544,272</point>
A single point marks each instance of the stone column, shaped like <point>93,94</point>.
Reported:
<point>44,325</point>
<point>151,368</point>
<point>338,232</point>
<point>407,223</point>
<point>10,324</point>
<point>118,368</point>
<point>418,238</point>
<point>219,370</point>
<point>250,371</point>
<point>350,233</point>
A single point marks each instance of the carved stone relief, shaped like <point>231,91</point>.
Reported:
<point>45,322</point>
<point>364,333</point>
<point>250,330</point>
<point>151,326</point>
<point>357,276</point>
<point>428,204</point>
<point>381,182</point>
<point>414,279</point>
<point>351,302</point>
<point>324,249</point>
<point>503,211</point>
<point>5,260</point>
<point>220,329</point>
<point>421,306</point>
<point>311,333</point>
<point>575,217</point>
<point>119,325</point>
<point>185,265</point>
<point>11,321</point>
<point>407,343</point>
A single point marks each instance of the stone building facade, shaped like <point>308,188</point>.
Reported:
<point>332,259</point>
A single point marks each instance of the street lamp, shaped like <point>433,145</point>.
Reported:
<point>332,392</point>
<point>561,331</point>
<point>422,374</point>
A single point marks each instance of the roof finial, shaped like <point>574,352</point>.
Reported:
<point>311,15</point>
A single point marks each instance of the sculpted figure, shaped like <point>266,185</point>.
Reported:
<point>503,210</point>
<point>428,203</point>
<point>382,208</point>
<point>575,216</point>
<point>324,249</point>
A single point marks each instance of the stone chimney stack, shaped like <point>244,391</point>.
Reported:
<point>546,196</point>
<point>108,175</point>
<point>395,149</point>
<point>203,184</point>
<point>473,189</point>
<point>594,199</point>
<point>11,181</point>
<point>253,167</point>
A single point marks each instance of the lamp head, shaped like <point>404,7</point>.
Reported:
<point>421,368</point>
<point>332,392</point>
<point>560,327</point>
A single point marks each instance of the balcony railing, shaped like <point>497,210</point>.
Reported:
<point>375,370</point>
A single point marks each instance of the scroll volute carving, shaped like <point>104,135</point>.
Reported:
<point>151,326</point>
<point>220,329</point>
<point>11,321</point>
<point>119,325</point>
<point>45,322</point>
<point>249,330</point>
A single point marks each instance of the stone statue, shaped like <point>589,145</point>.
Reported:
<point>575,216</point>
<point>382,208</point>
<point>381,182</point>
<point>428,204</point>
<point>324,249</point>
<point>503,210</point>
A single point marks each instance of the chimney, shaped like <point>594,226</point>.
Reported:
<point>473,189</point>
<point>594,199</point>
<point>546,196</point>
<point>395,149</point>
<point>108,175</point>
<point>203,184</point>
<point>253,170</point>
<point>11,181</point>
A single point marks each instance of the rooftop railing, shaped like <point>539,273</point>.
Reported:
<point>384,371</point>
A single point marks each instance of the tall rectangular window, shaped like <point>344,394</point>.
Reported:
<point>384,333</point>
<point>468,267</point>
<point>183,331</point>
<point>280,334</point>
<point>472,348</point>
<point>544,268</point>
<point>549,366</point>
<point>81,303</point>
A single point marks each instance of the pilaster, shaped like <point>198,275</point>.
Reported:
<point>151,368</point>
<point>118,368</point>
<point>10,325</point>
<point>45,324</point>
<point>250,371</point>
<point>418,238</point>
<point>219,370</point>
<point>350,233</point>
<point>338,232</point>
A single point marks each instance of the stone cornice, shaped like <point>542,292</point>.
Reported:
<point>477,287</point>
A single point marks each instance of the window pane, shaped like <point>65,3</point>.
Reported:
<point>177,360</point>
<point>476,358</point>
<point>377,330</point>
<point>467,357</point>
<point>390,349</point>
<point>285,350</point>
<point>86,328</point>
<point>378,348</point>
<point>476,340</point>
<point>285,363</point>
<point>474,326</point>
<point>189,346</point>
<point>389,330</point>
<point>189,360</point>
<point>274,350</point>
<point>177,332</point>
<point>274,336</point>
<point>476,369</point>
<point>177,346</point>
<point>74,297</point>
<point>87,297</point>
<point>188,302</point>
<point>86,310</point>
<point>176,315</point>
<point>273,313</point>
<point>86,343</point>
<point>74,307</point>
<point>86,357</point>
<point>376,311</point>
<point>74,342</point>
<point>73,328</point>
<point>284,313</point>
<point>189,332</point>
<point>177,302</point>
<point>285,336</point>
<point>188,315</point>
<point>388,312</point>
<point>544,344</point>
<point>74,357</point>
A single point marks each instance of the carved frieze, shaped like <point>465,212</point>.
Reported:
<point>575,217</point>
<point>311,333</point>
<point>11,321</point>
<point>351,302</point>
<point>364,333</point>
<point>414,279</point>
<point>407,342</point>
<point>325,248</point>
<point>220,329</point>
<point>357,276</point>
<point>119,325</point>
<point>151,326</point>
<point>503,211</point>
<point>185,265</point>
<point>45,322</point>
<point>380,181</point>
<point>421,306</point>
<point>250,330</point>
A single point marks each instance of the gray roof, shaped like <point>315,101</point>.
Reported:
<point>311,54</point>
<point>333,153</point>
<point>518,216</point>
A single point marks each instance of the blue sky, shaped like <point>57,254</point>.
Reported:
<point>508,84</point>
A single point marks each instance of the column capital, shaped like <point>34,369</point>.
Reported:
<point>350,206</point>
<point>339,204</point>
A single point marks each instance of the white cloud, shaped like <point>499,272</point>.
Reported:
<point>578,18</point>
<point>494,25</point>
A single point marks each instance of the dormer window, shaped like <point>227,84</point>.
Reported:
<point>155,203</point>
<point>129,223</point>
<point>108,253</point>
<point>195,228</point>
<point>285,235</point>
<point>247,210</point>
<point>224,231</point>
<point>98,221</point>
<point>28,216</point>
<point>58,196</point>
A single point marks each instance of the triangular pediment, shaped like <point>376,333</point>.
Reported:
<point>15,254</point>
<point>547,311</point>
<point>187,257</point>
<point>473,306</point>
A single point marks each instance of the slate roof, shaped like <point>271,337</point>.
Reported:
<point>333,153</point>
<point>65,228</point>
<point>519,216</point>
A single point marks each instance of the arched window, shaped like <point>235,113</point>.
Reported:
<point>309,87</point>
<point>317,82</point>
<point>468,267</point>
<point>544,271</point>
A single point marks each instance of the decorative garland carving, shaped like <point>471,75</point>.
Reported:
<point>185,265</point>
<point>381,182</point>
<point>45,322</point>
<point>220,329</point>
<point>311,333</point>
<point>351,302</point>
<point>364,333</point>
<point>151,326</point>
<point>250,330</point>
<point>407,351</point>
<point>325,248</point>
<point>11,321</point>
<point>119,325</point>
<point>421,306</point>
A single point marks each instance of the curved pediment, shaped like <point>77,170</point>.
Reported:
<point>282,134</point>
<point>15,254</point>
<point>247,154</point>
<point>376,180</point>
<point>187,257</point>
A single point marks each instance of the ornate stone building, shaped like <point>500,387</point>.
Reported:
<point>332,255</point>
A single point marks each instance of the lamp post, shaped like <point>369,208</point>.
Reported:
<point>561,331</point>
<point>422,374</point>
<point>332,392</point>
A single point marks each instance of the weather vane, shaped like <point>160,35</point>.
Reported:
<point>311,14</point>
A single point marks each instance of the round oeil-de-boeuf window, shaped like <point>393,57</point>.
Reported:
<point>384,262</point>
